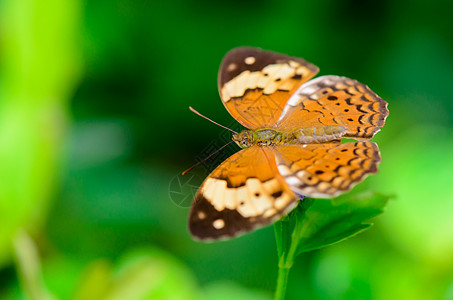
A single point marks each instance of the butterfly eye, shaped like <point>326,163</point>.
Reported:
<point>245,142</point>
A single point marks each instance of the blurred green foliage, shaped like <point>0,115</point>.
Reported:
<point>39,69</point>
<point>94,127</point>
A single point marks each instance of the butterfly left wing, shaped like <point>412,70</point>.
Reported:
<point>246,191</point>
<point>255,84</point>
<point>326,170</point>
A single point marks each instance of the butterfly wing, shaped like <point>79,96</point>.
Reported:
<point>326,170</point>
<point>246,191</point>
<point>255,84</point>
<point>335,100</point>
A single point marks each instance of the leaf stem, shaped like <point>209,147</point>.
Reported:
<point>288,239</point>
<point>282,282</point>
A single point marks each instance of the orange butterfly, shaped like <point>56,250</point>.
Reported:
<point>293,145</point>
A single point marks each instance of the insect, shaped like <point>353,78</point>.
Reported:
<point>292,144</point>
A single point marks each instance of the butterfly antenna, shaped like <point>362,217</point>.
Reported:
<point>193,110</point>
<point>199,163</point>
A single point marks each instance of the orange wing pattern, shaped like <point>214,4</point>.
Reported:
<point>255,84</point>
<point>244,192</point>
<point>326,170</point>
<point>335,100</point>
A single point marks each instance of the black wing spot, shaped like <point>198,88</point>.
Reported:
<point>350,120</point>
<point>344,150</point>
<point>278,79</point>
<point>332,97</point>
<point>257,194</point>
<point>319,172</point>
<point>346,110</point>
<point>277,194</point>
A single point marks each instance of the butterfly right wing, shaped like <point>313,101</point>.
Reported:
<point>246,191</point>
<point>255,84</point>
<point>326,170</point>
<point>335,100</point>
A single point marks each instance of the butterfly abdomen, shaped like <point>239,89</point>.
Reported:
<point>315,134</point>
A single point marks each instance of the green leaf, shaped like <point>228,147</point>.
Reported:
<point>314,224</point>
<point>330,221</point>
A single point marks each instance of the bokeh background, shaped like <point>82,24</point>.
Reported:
<point>95,130</point>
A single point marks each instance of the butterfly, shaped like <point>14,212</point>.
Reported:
<point>292,145</point>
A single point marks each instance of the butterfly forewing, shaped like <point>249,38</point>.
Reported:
<point>255,84</point>
<point>335,100</point>
<point>244,192</point>
<point>326,170</point>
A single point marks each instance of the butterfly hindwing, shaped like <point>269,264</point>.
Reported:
<point>335,100</point>
<point>326,170</point>
<point>255,84</point>
<point>244,192</point>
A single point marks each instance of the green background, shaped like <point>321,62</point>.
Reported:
<point>95,130</point>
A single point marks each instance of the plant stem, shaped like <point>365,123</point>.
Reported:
<point>282,281</point>
<point>286,262</point>
<point>288,238</point>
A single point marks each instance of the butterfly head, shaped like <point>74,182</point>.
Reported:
<point>244,138</point>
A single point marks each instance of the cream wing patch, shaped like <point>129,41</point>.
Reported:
<point>255,84</point>
<point>270,79</point>
<point>253,199</point>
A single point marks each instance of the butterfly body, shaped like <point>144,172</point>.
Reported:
<point>292,145</point>
<point>270,137</point>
